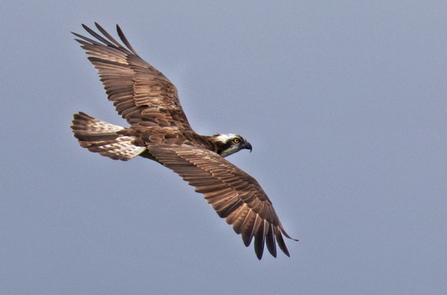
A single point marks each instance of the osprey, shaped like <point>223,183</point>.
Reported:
<point>159,130</point>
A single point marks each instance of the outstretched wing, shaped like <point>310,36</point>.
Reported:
<point>140,93</point>
<point>235,195</point>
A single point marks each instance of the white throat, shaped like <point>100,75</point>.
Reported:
<point>233,149</point>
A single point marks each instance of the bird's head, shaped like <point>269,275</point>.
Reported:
<point>228,144</point>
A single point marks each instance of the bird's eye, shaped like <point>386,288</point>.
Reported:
<point>236,140</point>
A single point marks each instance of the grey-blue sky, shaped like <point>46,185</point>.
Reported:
<point>344,103</point>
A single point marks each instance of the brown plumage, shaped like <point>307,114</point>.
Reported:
<point>160,131</point>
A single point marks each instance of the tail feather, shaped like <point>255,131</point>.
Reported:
<point>101,137</point>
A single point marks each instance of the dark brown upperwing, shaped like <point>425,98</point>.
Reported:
<point>140,93</point>
<point>235,195</point>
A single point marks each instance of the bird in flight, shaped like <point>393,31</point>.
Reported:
<point>160,131</point>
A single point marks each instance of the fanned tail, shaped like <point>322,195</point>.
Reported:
<point>104,138</point>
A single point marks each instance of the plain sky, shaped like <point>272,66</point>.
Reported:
<point>344,103</point>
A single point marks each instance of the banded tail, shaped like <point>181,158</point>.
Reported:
<point>103,138</point>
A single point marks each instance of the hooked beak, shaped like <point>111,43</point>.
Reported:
<point>247,146</point>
